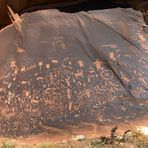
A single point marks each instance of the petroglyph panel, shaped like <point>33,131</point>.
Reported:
<point>51,75</point>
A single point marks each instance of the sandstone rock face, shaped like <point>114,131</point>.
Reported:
<point>4,17</point>
<point>60,69</point>
<point>19,6</point>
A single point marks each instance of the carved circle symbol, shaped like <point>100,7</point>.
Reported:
<point>106,75</point>
<point>25,127</point>
<point>16,125</point>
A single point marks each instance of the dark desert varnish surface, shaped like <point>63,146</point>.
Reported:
<point>60,71</point>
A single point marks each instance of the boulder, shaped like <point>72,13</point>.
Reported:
<point>59,69</point>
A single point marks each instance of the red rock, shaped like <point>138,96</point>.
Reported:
<point>59,69</point>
